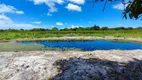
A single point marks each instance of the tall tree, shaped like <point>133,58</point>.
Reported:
<point>95,27</point>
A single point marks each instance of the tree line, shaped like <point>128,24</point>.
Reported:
<point>95,27</point>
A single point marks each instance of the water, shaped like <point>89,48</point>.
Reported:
<point>89,45</point>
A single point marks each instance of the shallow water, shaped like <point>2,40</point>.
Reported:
<point>89,45</point>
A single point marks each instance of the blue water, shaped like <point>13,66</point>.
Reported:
<point>89,45</point>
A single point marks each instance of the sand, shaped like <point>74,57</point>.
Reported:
<point>71,65</point>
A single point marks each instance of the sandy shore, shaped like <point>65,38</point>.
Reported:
<point>82,38</point>
<point>71,65</point>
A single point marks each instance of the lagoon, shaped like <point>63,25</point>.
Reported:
<point>90,45</point>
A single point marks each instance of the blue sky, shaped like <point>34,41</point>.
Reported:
<point>29,14</point>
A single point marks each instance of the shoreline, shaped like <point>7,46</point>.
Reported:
<point>81,38</point>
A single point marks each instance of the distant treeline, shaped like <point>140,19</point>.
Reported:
<point>95,27</point>
<point>80,31</point>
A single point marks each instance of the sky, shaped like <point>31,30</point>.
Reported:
<point>28,14</point>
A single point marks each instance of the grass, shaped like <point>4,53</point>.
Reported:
<point>8,35</point>
<point>7,46</point>
<point>138,42</point>
<point>5,36</point>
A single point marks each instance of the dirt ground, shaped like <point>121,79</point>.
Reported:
<point>71,65</point>
<point>83,38</point>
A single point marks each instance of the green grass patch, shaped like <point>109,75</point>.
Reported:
<point>7,46</point>
<point>8,35</point>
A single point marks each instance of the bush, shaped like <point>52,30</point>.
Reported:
<point>105,28</point>
<point>130,28</point>
<point>139,28</point>
<point>119,28</point>
<point>95,27</point>
<point>54,29</point>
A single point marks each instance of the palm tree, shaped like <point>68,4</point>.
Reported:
<point>133,7</point>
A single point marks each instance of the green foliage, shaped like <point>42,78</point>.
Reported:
<point>139,28</point>
<point>130,28</point>
<point>19,47</point>
<point>54,29</point>
<point>5,46</point>
<point>133,7</point>
<point>65,29</point>
<point>7,35</point>
<point>120,28</point>
<point>38,29</point>
<point>95,27</point>
<point>105,28</point>
<point>81,31</point>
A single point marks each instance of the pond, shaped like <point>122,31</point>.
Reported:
<point>89,45</point>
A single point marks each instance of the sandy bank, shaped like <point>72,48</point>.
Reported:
<point>82,38</point>
<point>71,65</point>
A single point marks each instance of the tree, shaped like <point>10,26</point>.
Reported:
<point>65,29</point>
<point>133,7</point>
<point>21,29</point>
<point>54,29</point>
<point>139,28</point>
<point>130,28</point>
<point>80,29</point>
<point>38,29</point>
<point>13,30</point>
<point>105,28</point>
<point>87,28</point>
<point>74,29</point>
<point>95,27</point>
<point>120,28</point>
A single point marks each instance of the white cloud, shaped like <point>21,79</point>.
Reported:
<point>9,9</point>
<point>78,1</point>
<point>18,26</point>
<point>49,3</point>
<point>120,25</point>
<point>72,26</point>
<point>120,6</point>
<point>52,5</point>
<point>81,26</point>
<point>19,12</point>
<point>6,23</point>
<point>76,26</point>
<point>5,20</point>
<point>52,26</point>
<point>36,22</point>
<point>49,14</point>
<point>73,7</point>
<point>59,23</point>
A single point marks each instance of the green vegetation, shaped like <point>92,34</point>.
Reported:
<point>8,46</point>
<point>133,7</point>
<point>89,31</point>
